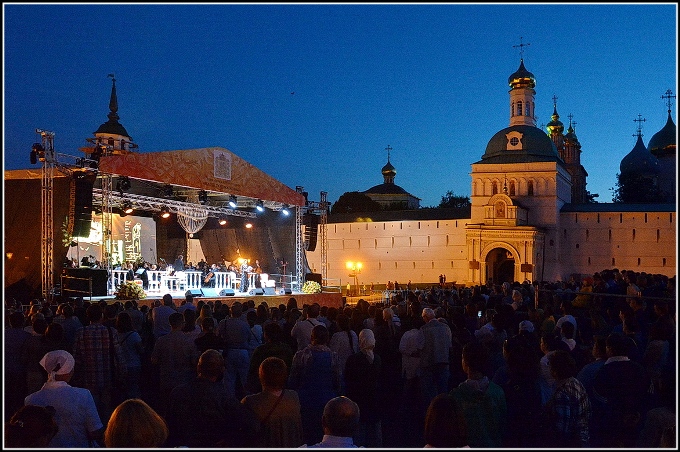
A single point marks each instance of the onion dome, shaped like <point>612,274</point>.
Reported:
<point>555,125</point>
<point>571,135</point>
<point>664,141</point>
<point>640,161</point>
<point>520,144</point>
<point>389,170</point>
<point>112,126</point>
<point>522,78</point>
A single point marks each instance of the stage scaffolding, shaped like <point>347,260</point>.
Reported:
<point>106,198</point>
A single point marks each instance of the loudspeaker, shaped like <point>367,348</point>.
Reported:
<point>77,282</point>
<point>227,293</point>
<point>269,290</point>
<point>83,182</point>
<point>194,292</point>
<point>311,223</point>
<point>256,291</point>
<point>285,291</point>
<point>210,292</point>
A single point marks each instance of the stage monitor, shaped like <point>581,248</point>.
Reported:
<point>227,293</point>
<point>194,292</point>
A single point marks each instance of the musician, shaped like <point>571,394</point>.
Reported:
<point>179,264</point>
<point>143,275</point>
<point>209,279</point>
<point>245,268</point>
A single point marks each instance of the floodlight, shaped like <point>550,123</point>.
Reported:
<point>233,202</point>
<point>165,212</point>
<point>259,205</point>
<point>285,210</point>
<point>223,220</point>
<point>127,207</point>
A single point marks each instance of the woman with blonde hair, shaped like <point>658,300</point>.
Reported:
<point>135,424</point>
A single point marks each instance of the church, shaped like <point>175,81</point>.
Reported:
<point>530,216</point>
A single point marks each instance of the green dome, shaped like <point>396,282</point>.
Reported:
<point>536,147</point>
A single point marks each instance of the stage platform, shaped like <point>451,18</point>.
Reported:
<point>330,299</point>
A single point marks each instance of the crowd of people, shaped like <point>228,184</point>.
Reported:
<point>587,363</point>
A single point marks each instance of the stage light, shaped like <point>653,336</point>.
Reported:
<point>260,206</point>
<point>249,225</point>
<point>285,210</point>
<point>165,212</point>
<point>127,207</point>
<point>223,220</point>
<point>203,197</point>
<point>233,202</point>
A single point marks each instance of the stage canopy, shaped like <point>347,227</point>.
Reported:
<point>216,170</point>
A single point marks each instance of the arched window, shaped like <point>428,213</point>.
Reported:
<point>528,112</point>
<point>111,142</point>
<point>519,108</point>
<point>494,188</point>
<point>512,188</point>
<point>512,109</point>
<point>530,188</point>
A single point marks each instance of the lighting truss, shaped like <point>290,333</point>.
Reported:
<point>150,204</point>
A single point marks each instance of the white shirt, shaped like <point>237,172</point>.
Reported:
<point>76,413</point>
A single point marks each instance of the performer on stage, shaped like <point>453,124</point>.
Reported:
<point>245,269</point>
<point>179,264</point>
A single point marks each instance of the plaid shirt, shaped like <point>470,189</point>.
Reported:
<point>92,354</point>
<point>570,410</point>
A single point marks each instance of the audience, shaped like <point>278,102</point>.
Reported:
<point>277,408</point>
<point>134,424</point>
<point>340,422</point>
<point>31,426</point>
<point>625,384</point>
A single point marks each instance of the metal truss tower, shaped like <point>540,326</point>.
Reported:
<point>47,157</point>
<point>298,242</point>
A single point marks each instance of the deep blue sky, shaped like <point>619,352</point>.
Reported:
<point>428,80</point>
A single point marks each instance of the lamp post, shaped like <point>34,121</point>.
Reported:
<point>355,269</point>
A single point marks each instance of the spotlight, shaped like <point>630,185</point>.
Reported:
<point>203,197</point>
<point>249,225</point>
<point>165,212</point>
<point>223,220</point>
<point>260,206</point>
<point>233,202</point>
<point>285,210</point>
<point>127,207</point>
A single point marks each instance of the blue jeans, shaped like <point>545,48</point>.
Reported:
<point>237,362</point>
<point>434,380</point>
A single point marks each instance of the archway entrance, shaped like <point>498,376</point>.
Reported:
<point>501,263</point>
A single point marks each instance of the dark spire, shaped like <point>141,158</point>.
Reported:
<point>113,103</point>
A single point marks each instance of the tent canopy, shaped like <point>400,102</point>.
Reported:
<point>216,170</point>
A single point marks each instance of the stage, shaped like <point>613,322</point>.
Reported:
<point>330,299</point>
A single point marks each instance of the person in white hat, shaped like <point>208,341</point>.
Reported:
<point>75,410</point>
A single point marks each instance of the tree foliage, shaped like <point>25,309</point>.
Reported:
<point>635,188</point>
<point>354,201</point>
<point>450,200</point>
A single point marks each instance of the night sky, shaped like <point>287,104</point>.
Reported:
<point>313,94</point>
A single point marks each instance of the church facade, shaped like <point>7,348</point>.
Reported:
<point>529,217</point>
